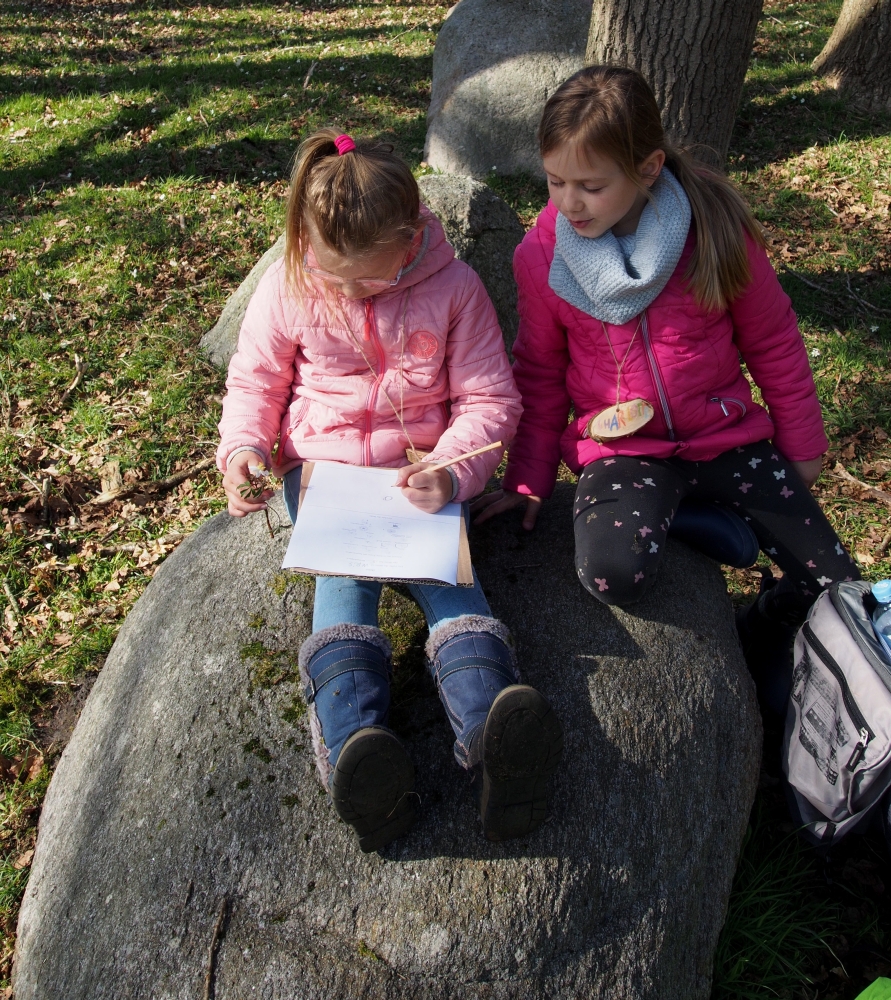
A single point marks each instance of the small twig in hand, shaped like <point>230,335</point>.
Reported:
<point>80,367</point>
<point>13,606</point>
<point>253,488</point>
<point>212,951</point>
<point>309,73</point>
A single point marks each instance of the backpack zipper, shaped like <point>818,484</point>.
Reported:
<point>864,732</point>
<point>859,750</point>
<point>657,377</point>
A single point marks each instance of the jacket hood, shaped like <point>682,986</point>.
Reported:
<point>434,252</point>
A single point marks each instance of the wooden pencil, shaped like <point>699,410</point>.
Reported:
<point>467,454</point>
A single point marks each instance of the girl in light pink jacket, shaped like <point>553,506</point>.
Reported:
<point>367,341</point>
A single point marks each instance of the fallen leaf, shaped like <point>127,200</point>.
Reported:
<point>34,767</point>
<point>23,860</point>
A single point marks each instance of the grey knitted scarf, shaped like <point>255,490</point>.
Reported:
<point>613,279</point>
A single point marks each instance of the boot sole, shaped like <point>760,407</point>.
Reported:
<point>522,748</point>
<point>373,788</point>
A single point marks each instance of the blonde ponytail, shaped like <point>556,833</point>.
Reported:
<point>358,203</point>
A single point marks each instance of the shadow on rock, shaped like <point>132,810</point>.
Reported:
<point>188,790</point>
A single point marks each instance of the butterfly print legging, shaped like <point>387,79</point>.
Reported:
<point>624,507</point>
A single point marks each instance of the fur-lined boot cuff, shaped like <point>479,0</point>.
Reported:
<point>336,633</point>
<point>469,623</point>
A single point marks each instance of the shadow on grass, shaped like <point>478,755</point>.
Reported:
<point>784,127</point>
<point>854,312</point>
<point>175,89</point>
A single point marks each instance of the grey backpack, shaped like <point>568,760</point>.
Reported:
<point>837,744</point>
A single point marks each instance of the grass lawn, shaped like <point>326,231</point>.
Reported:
<point>144,150</point>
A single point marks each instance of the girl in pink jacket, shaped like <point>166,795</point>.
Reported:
<point>368,339</point>
<point>641,285</point>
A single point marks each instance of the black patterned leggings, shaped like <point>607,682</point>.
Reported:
<point>624,507</point>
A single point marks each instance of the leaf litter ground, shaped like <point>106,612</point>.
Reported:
<point>144,154</point>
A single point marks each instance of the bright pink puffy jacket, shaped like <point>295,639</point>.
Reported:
<point>305,374</point>
<point>684,360</point>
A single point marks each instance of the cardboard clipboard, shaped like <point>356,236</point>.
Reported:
<point>465,570</point>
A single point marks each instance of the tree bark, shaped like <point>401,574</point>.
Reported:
<point>855,59</point>
<point>694,53</point>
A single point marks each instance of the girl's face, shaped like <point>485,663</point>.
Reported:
<point>594,193</point>
<point>354,278</point>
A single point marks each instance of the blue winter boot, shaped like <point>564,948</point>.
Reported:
<point>363,765</point>
<point>506,734</point>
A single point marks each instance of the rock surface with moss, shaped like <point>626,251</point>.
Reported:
<point>185,840</point>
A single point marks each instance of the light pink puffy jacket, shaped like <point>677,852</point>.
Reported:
<point>684,360</point>
<point>434,351</point>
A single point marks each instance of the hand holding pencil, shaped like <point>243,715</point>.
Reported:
<point>428,485</point>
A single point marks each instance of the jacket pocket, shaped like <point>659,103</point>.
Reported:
<point>422,358</point>
<point>729,405</point>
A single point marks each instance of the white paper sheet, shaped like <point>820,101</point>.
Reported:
<point>354,522</point>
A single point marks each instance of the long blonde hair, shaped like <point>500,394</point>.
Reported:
<point>611,110</point>
<point>359,203</point>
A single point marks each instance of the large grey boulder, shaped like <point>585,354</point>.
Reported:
<point>186,850</point>
<point>485,231</point>
<point>219,343</point>
<point>495,64</point>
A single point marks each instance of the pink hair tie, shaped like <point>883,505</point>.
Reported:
<point>344,144</point>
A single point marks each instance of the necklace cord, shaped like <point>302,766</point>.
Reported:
<point>619,367</point>
<point>400,413</point>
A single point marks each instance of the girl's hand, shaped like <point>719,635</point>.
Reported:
<point>429,491</point>
<point>502,500</point>
<point>809,470</point>
<point>236,475</point>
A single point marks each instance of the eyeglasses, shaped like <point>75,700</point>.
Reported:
<point>378,284</point>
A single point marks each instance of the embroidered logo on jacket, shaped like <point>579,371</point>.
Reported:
<point>423,345</point>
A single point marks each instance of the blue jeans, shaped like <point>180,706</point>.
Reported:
<point>341,600</point>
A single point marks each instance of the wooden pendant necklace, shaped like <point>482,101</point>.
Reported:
<point>624,418</point>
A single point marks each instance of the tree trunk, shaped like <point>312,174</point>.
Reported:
<point>694,53</point>
<point>855,59</point>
